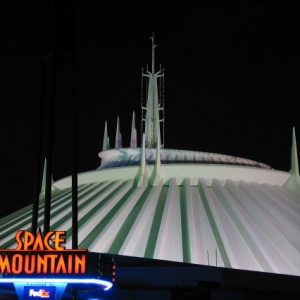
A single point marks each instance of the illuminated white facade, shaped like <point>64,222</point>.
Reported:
<point>179,205</point>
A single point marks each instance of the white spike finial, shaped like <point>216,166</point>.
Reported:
<point>293,181</point>
<point>118,140</point>
<point>105,139</point>
<point>43,186</point>
<point>294,156</point>
<point>133,143</point>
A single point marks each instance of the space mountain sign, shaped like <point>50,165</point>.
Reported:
<point>40,254</point>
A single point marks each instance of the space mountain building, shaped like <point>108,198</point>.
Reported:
<point>177,205</point>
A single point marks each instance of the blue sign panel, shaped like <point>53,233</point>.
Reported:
<point>39,292</point>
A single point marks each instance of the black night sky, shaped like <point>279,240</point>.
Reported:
<point>231,81</point>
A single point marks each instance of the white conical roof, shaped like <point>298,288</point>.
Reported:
<point>179,205</point>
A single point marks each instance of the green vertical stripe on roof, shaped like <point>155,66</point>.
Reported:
<point>82,192</point>
<point>90,238</point>
<point>21,213</point>
<point>24,225</point>
<point>214,227</point>
<point>152,240</point>
<point>186,251</point>
<point>27,211</point>
<point>14,216</point>
<point>54,203</point>
<point>27,226</point>
<point>92,197</point>
<point>127,225</point>
<point>239,225</point>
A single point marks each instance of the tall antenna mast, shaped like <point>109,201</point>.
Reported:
<point>153,53</point>
<point>153,105</point>
<point>142,102</point>
<point>163,107</point>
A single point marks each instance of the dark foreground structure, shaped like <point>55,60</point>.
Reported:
<point>152,279</point>
<point>139,278</point>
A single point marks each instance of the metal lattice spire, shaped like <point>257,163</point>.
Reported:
<point>152,119</point>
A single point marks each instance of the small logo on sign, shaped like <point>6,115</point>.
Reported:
<point>40,293</point>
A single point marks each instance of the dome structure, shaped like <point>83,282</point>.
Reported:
<point>178,205</point>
